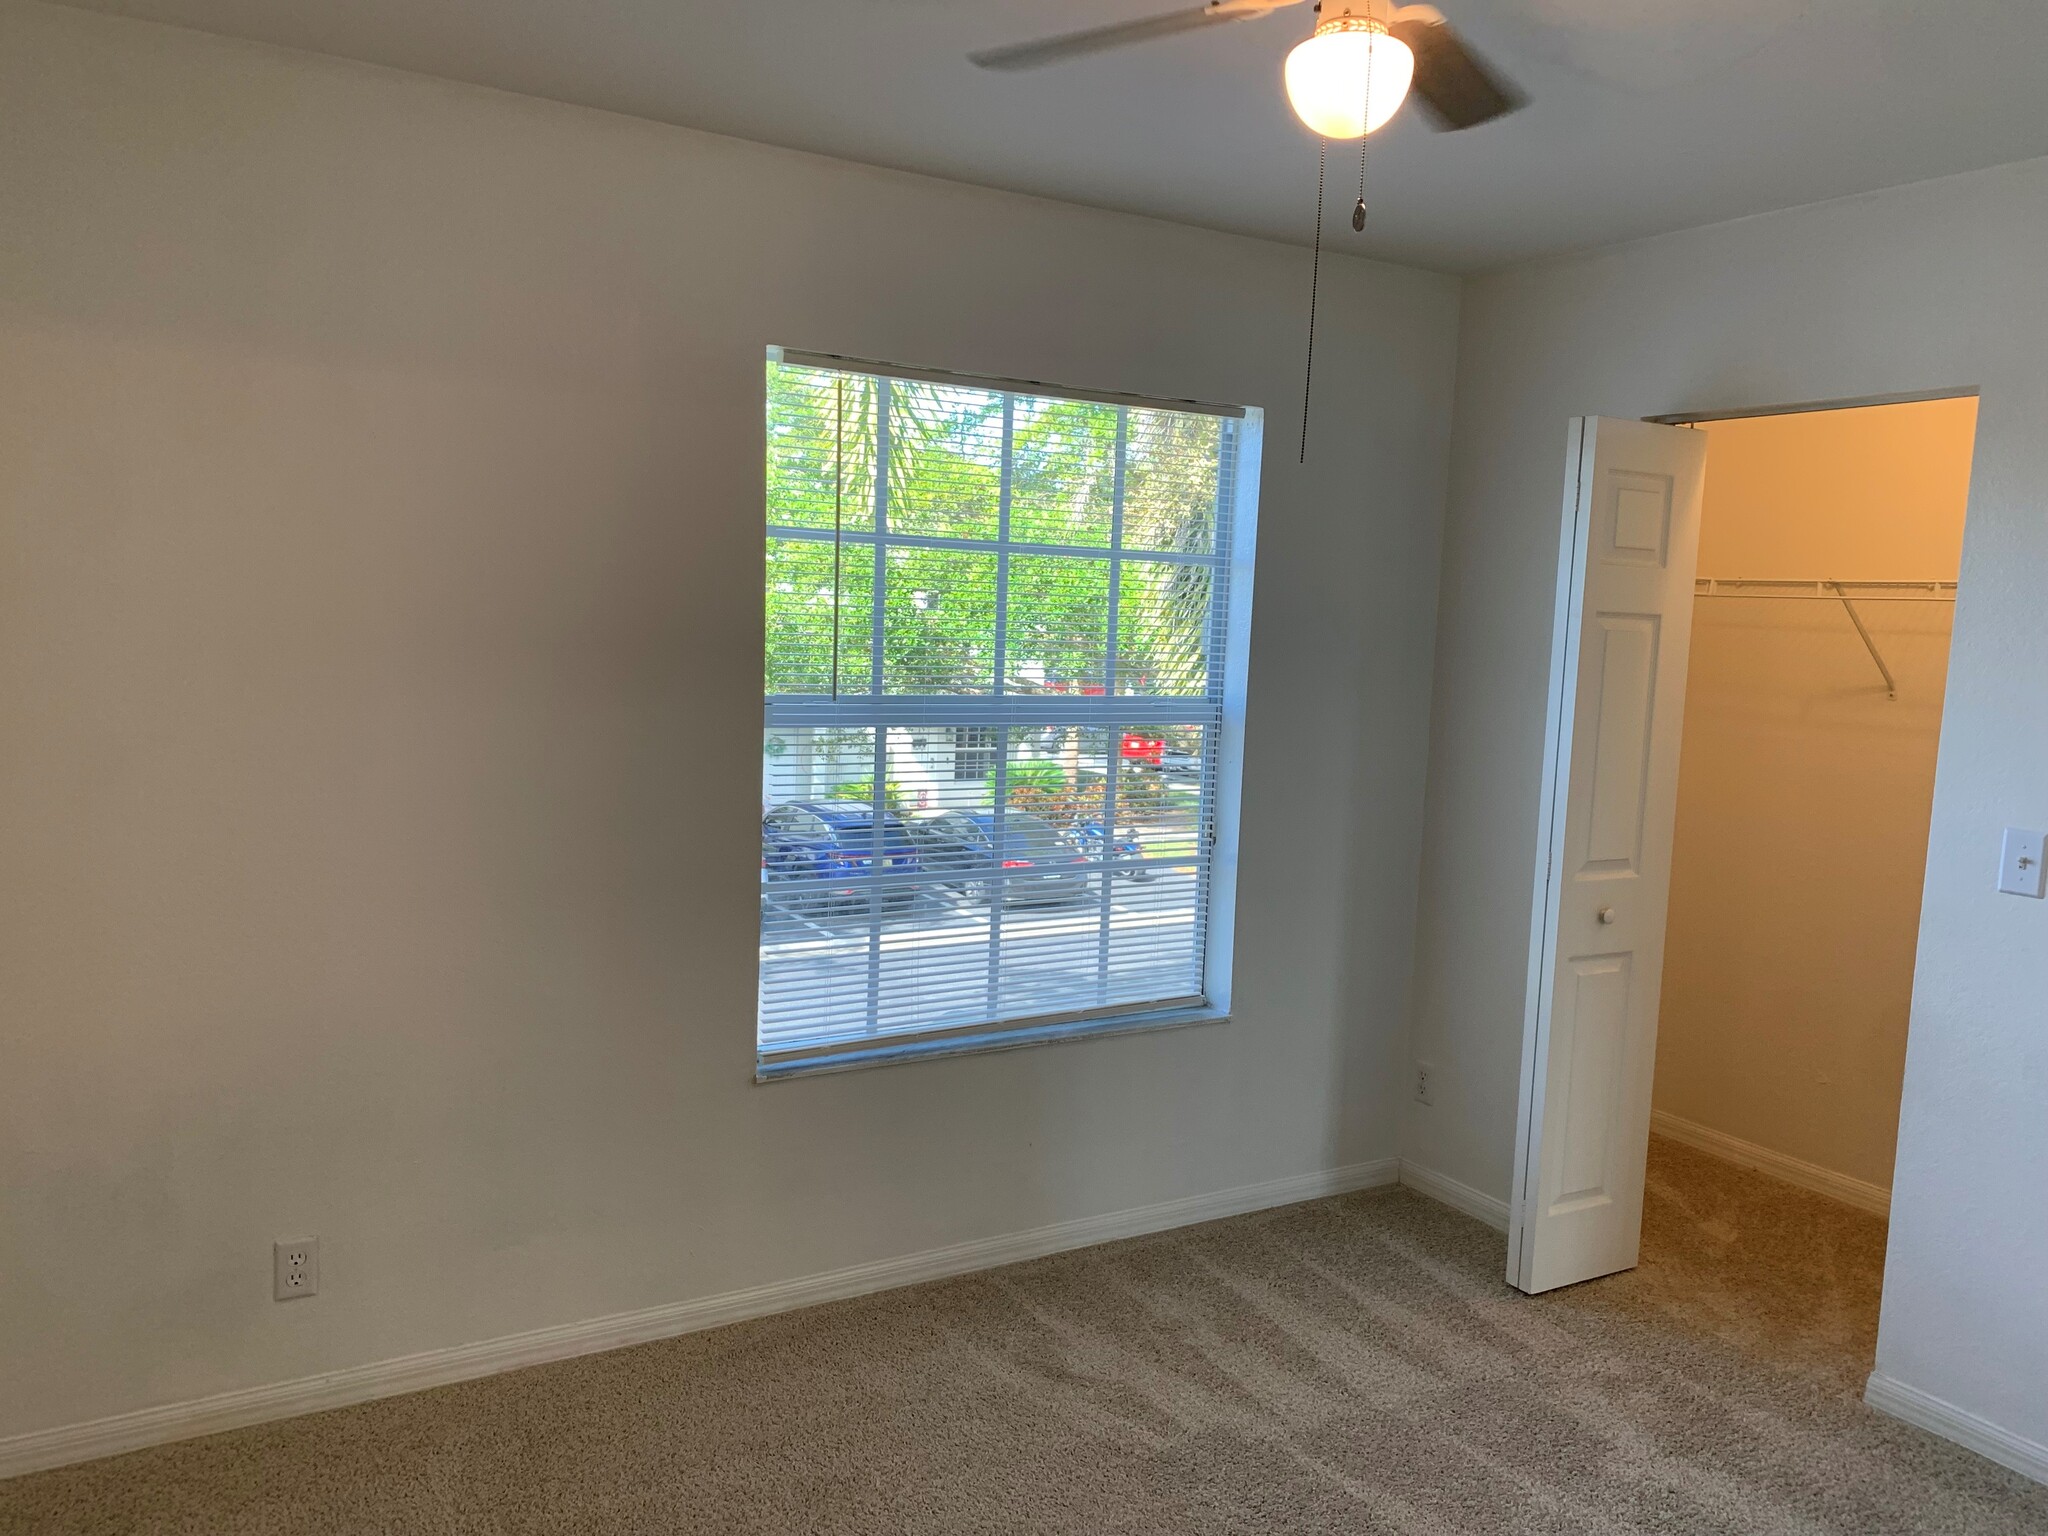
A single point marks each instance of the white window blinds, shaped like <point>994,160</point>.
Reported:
<point>997,642</point>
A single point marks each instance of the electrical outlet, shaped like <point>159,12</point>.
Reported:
<point>1425,1083</point>
<point>295,1268</point>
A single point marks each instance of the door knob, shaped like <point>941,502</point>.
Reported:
<point>1606,914</point>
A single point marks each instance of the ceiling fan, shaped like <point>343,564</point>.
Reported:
<point>1344,80</point>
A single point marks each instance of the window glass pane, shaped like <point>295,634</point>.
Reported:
<point>1164,787</point>
<point>1171,465</point>
<point>1153,942</point>
<point>1063,475</point>
<point>946,460</point>
<point>805,766</point>
<point>986,911</point>
<point>816,595</point>
<point>1165,628</point>
<point>939,621</point>
<point>1059,624</point>
<point>1056,773</point>
<point>821,448</point>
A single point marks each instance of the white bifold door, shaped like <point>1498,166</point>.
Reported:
<point>1603,868</point>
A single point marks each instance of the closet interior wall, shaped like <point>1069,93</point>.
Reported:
<point>1804,790</point>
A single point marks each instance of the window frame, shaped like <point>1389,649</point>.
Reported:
<point>1222,703</point>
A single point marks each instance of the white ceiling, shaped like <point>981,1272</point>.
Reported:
<point>1648,114</point>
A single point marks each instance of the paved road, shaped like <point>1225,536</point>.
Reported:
<point>930,968</point>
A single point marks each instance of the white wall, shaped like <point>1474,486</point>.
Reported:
<point>1803,790</point>
<point>380,667</point>
<point>1922,287</point>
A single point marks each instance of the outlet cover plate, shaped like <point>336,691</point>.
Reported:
<point>295,1268</point>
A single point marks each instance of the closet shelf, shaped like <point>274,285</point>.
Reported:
<point>1830,591</point>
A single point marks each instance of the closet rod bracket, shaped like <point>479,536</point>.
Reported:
<point>1891,684</point>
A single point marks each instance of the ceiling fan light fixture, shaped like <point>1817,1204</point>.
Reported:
<point>1329,72</point>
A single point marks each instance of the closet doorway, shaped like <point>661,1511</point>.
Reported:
<point>1751,646</point>
<point>1830,543</point>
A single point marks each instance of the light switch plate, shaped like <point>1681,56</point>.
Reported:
<point>2020,870</point>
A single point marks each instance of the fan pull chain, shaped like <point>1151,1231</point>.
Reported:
<point>1316,262</point>
<point>1315,273</point>
<point>1365,135</point>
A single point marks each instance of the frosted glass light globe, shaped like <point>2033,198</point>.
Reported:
<point>1327,75</point>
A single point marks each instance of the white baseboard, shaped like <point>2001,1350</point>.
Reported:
<point>1459,1197</point>
<point>438,1367</point>
<point>1945,1419</point>
<point>1811,1176</point>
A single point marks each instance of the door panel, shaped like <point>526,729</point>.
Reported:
<point>1610,791</point>
<point>1637,522</point>
<point>1627,663</point>
<point>1595,1025</point>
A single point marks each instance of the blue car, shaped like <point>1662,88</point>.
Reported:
<point>820,850</point>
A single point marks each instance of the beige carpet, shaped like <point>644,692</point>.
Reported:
<point>1351,1365</point>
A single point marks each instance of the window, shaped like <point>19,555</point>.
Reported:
<point>974,752</point>
<point>1003,696</point>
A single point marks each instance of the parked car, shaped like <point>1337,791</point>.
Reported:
<point>1141,751</point>
<point>1028,861</point>
<point>1153,754</point>
<point>819,849</point>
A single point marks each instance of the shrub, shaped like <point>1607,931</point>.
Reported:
<point>864,789</point>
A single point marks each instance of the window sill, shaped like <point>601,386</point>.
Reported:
<point>890,1053</point>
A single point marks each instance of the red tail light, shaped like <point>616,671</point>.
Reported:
<point>1016,863</point>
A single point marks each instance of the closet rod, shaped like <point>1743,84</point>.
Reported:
<point>1827,591</point>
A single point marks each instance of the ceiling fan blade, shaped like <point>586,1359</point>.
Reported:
<point>1457,88</point>
<point>1071,45</point>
